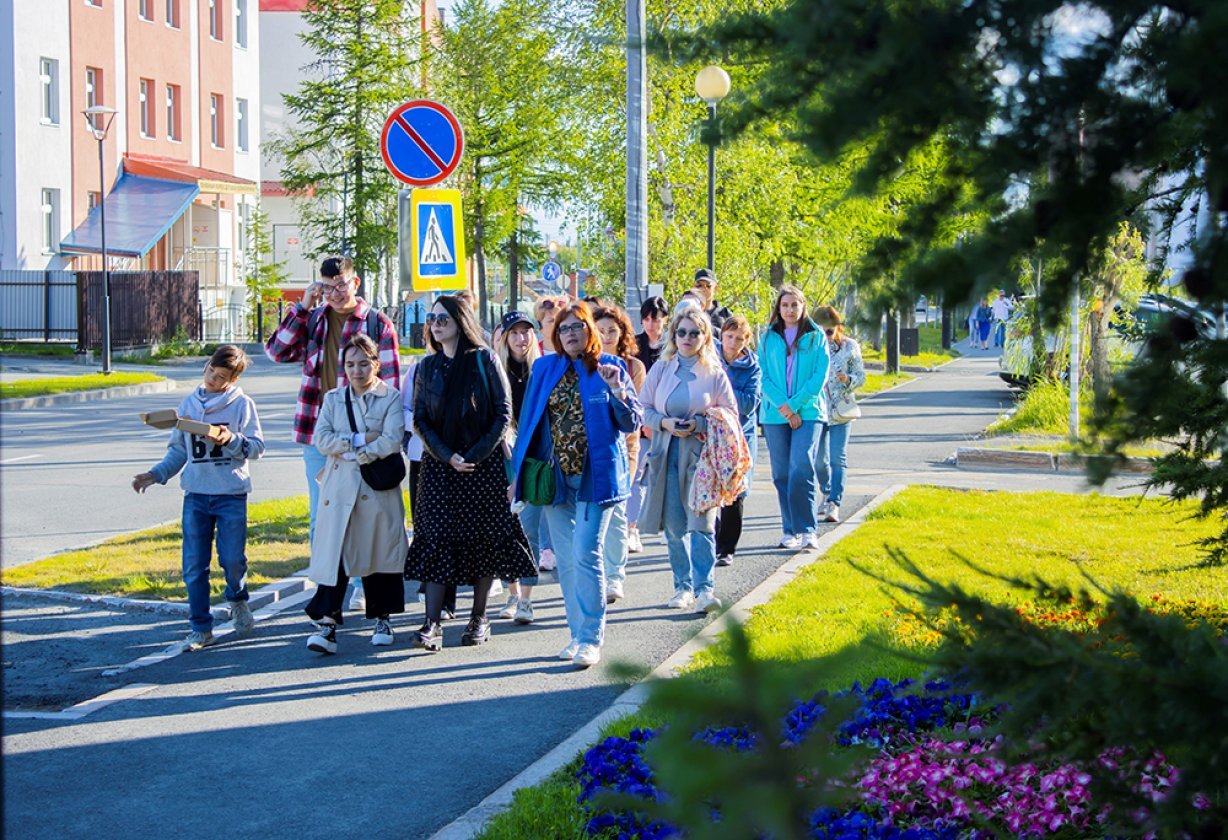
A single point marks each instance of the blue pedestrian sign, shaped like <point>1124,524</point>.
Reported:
<point>551,272</point>
<point>421,143</point>
<point>437,256</point>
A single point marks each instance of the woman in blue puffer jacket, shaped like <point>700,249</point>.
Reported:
<point>742,368</point>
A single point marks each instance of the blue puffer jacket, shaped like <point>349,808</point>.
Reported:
<point>606,478</point>
<point>744,377</point>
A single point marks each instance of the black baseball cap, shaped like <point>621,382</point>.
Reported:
<point>514,317</point>
<point>654,305</point>
<point>705,274</point>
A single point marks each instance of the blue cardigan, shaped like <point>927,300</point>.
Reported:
<point>809,376</point>
<point>606,478</point>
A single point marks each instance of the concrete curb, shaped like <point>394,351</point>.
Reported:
<point>166,386</point>
<point>278,590</point>
<point>1022,459</point>
<point>472,821</point>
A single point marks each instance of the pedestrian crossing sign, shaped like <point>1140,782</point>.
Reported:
<point>438,240</point>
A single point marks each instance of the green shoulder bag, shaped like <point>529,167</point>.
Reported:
<point>538,486</point>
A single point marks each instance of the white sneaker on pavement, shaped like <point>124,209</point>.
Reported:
<point>833,513</point>
<point>241,617</point>
<point>524,612</point>
<point>614,591</point>
<point>496,588</point>
<point>509,609</point>
<point>681,600</point>
<point>570,651</point>
<point>547,563</point>
<point>634,544</point>
<point>358,601</point>
<point>792,541</point>
<point>587,656</point>
<point>707,603</point>
<point>197,639</point>
<point>324,639</point>
<point>725,560</point>
<point>381,635</point>
<point>812,539</point>
<point>822,511</point>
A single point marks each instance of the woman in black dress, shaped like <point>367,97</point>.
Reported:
<point>464,532</point>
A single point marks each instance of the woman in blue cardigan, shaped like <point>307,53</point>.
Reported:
<point>794,359</point>
<point>578,407</point>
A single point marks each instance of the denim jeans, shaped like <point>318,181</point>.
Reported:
<point>638,489</point>
<point>314,461</point>
<point>202,515</point>
<point>692,554</point>
<point>831,460</point>
<point>999,334</point>
<point>614,553</point>
<point>791,452</point>
<point>578,531</point>
<point>531,524</point>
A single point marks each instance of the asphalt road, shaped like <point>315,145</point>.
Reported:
<point>260,737</point>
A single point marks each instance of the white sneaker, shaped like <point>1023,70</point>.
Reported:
<point>587,656</point>
<point>324,639</point>
<point>358,601</point>
<point>812,539</point>
<point>381,636</point>
<point>496,588</point>
<point>570,651</point>
<point>634,544</point>
<point>681,600</point>
<point>725,560</point>
<point>241,617</point>
<point>833,513</point>
<point>524,612</point>
<point>822,511</point>
<point>509,609</point>
<point>614,591</point>
<point>197,640</point>
<point>707,603</point>
<point>547,564</point>
<point>792,541</point>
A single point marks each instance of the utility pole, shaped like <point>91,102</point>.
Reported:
<point>636,257</point>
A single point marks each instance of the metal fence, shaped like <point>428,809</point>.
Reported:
<point>38,305</point>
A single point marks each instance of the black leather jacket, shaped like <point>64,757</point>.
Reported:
<point>428,408</point>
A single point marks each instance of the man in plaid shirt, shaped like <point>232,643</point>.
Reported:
<point>342,316</point>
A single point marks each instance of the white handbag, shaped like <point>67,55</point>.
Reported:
<point>845,409</point>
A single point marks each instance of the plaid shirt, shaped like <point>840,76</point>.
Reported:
<point>290,343</point>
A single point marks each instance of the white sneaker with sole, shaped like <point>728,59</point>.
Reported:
<point>324,639</point>
<point>358,601</point>
<point>241,617</point>
<point>725,560</point>
<point>634,544</point>
<point>570,651</point>
<point>812,539</point>
<point>822,511</point>
<point>833,513</point>
<point>197,640</point>
<point>524,612</point>
<point>509,609</point>
<point>707,603</point>
<point>381,636</point>
<point>614,591</point>
<point>681,600</point>
<point>587,656</point>
<point>547,562</point>
<point>792,541</point>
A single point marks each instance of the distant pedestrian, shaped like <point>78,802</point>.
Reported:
<point>216,484</point>
<point>705,289</point>
<point>742,367</point>
<point>794,359</point>
<point>984,323</point>
<point>682,388</point>
<point>464,533</point>
<point>845,376</point>
<point>361,527</point>
<point>571,458</point>
<point>545,310</point>
<point>654,313</point>
<point>1001,309</point>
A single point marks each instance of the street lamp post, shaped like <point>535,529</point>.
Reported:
<point>98,118</point>
<point>712,85</point>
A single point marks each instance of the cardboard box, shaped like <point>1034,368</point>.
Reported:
<point>166,418</point>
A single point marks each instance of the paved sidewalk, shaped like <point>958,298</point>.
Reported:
<point>253,737</point>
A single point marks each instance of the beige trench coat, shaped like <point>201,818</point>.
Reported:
<point>364,526</point>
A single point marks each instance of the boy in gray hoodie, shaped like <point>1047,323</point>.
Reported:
<point>215,484</point>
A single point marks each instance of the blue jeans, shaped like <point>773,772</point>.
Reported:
<point>202,515</point>
<point>314,461</point>
<point>578,531</point>
<point>999,334</point>
<point>832,459</point>
<point>531,524</point>
<point>614,553</point>
<point>692,554</point>
<point>791,453</point>
<point>638,489</point>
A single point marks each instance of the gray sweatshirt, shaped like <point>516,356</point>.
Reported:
<point>211,469</point>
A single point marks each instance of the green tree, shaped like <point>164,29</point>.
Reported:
<point>265,277</point>
<point>365,66</point>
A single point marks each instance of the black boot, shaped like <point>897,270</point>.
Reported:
<point>477,631</point>
<point>430,637</point>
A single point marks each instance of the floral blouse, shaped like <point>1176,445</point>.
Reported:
<point>567,423</point>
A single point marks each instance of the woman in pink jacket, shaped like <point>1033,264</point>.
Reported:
<point>686,382</point>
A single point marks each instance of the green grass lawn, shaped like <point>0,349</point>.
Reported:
<point>411,351</point>
<point>31,348</point>
<point>1044,409</point>
<point>64,384</point>
<point>876,382</point>
<point>834,624</point>
<point>931,355</point>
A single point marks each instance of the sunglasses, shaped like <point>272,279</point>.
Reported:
<point>687,333</point>
<point>573,328</point>
<point>830,331</point>
<point>547,305</point>
<point>438,320</point>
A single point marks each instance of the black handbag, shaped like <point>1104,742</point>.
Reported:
<point>385,473</point>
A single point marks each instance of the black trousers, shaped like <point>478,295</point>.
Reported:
<point>385,593</point>
<point>729,528</point>
<point>449,595</point>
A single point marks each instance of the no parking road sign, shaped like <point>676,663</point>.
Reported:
<point>422,143</point>
<point>437,253</point>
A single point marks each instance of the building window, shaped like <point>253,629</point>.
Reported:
<point>217,127</point>
<point>143,9</point>
<point>51,221</point>
<point>93,91</point>
<point>172,13</point>
<point>92,199</point>
<point>241,23</point>
<point>147,108</point>
<point>241,124</point>
<point>49,78</point>
<point>172,113</point>
<point>215,19</point>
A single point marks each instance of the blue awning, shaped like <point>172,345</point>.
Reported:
<point>140,211</point>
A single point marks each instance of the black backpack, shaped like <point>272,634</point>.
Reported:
<point>374,328</point>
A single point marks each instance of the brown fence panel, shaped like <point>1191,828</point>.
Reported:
<point>147,307</point>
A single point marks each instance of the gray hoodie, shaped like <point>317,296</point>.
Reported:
<point>211,469</point>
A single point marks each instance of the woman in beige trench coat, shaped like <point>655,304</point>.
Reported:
<point>360,531</point>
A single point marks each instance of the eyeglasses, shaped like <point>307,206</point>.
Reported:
<point>578,326</point>
<point>438,320</point>
<point>687,333</point>
<point>337,289</point>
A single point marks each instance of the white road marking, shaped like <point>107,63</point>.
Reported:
<point>82,709</point>
<point>8,461</point>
